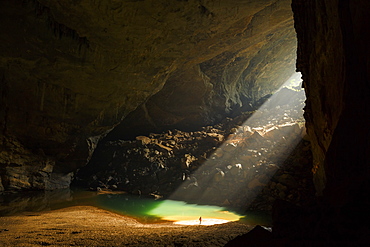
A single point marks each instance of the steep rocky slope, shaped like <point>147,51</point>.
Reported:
<point>70,71</point>
<point>246,162</point>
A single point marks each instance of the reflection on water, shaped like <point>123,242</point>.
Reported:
<point>145,210</point>
<point>149,210</point>
<point>129,205</point>
<point>37,201</point>
<point>181,212</point>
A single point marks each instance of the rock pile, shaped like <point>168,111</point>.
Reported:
<point>246,162</point>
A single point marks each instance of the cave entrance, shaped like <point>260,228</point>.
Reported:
<point>253,156</point>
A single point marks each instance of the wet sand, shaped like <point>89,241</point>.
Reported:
<point>90,226</point>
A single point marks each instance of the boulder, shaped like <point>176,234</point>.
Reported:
<point>188,160</point>
<point>255,183</point>
<point>257,237</point>
<point>144,140</point>
<point>219,176</point>
<point>235,169</point>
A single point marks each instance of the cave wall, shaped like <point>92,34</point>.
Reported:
<point>333,57</point>
<point>71,71</point>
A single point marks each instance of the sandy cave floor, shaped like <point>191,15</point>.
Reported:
<point>90,226</point>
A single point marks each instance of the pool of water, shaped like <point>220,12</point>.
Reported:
<point>149,210</point>
<point>144,209</point>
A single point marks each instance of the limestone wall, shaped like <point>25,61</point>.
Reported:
<point>334,60</point>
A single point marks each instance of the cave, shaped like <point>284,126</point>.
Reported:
<point>165,101</point>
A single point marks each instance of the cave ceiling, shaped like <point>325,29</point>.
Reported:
<point>73,70</point>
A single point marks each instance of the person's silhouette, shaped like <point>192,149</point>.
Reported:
<point>200,220</point>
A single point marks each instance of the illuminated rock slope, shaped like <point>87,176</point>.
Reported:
<point>247,162</point>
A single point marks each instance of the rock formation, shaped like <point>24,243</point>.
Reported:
<point>245,163</point>
<point>71,71</point>
<point>333,57</point>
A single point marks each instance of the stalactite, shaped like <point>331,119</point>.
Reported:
<point>59,30</point>
<point>65,102</point>
<point>147,116</point>
<point>4,94</point>
<point>42,96</point>
<point>116,113</point>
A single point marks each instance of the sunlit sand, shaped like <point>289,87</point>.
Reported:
<point>205,222</point>
<point>91,226</point>
<point>181,213</point>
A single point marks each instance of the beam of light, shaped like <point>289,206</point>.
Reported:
<point>244,164</point>
<point>233,175</point>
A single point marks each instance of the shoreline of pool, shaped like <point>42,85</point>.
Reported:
<point>92,226</point>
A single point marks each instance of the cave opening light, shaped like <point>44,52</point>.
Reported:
<point>243,165</point>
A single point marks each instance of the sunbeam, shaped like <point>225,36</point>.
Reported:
<point>242,166</point>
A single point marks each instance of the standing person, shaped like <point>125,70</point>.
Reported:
<point>200,220</point>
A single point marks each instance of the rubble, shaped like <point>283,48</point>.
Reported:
<point>247,165</point>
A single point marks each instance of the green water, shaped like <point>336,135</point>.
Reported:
<point>145,210</point>
<point>149,210</point>
<point>129,205</point>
